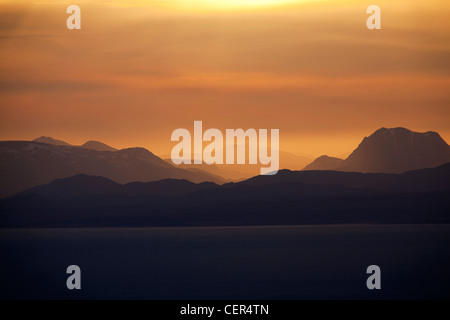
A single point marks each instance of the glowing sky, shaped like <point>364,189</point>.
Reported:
<point>137,70</point>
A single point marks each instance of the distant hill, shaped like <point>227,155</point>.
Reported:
<point>225,171</point>
<point>76,186</point>
<point>319,177</point>
<point>422,180</point>
<point>96,145</point>
<point>237,172</point>
<point>25,164</point>
<point>292,161</point>
<point>288,198</point>
<point>324,163</point>
<point>82,185</point>
<point>392,150</point>
<point>50,140</point>
<point>92,144</point>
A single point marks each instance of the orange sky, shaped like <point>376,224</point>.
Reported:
<point>137,70</point>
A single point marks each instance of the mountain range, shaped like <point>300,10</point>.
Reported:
<point>92,144</point>
<point>82,185</point>
<point>238,172</point>
<point>392,150</point>
<point>290,197</point>
<point>434,179</point>
<point>24,164</point>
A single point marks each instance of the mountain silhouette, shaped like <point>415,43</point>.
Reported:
<point>92,144</point>
<point>85,185</point>
<point>24,164</point>
<point>288,198</point>
<point>319,177</point>
<point>421,180</point>
<point>50,140</point>
<point>324,163</point>
<point>78,185</point>
<point>434,179</point>
<point>392,150</point>
<point>223,170</point>
<point>238,172</point>
<point>97,145</point>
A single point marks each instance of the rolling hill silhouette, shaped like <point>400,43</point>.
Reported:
<point>237,172</point>
<point>97,145</point>
<point>223,170</point>
<point>25,164</point>
<point>324,163</point>
<point>50,140</point>
<point>290,197</point>
<point>92,144</point>
<point>393,150</point>
<point>84,185</point>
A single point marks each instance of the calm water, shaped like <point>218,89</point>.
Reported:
<point>301,262</point>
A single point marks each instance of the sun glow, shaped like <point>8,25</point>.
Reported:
<point>212,5</point>
<point>234,4</point>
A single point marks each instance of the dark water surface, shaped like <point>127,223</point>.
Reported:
<point>293,262</point>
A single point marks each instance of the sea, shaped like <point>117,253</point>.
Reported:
<point>214,263</point>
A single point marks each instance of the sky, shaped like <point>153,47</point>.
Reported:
<point>137,70</point>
